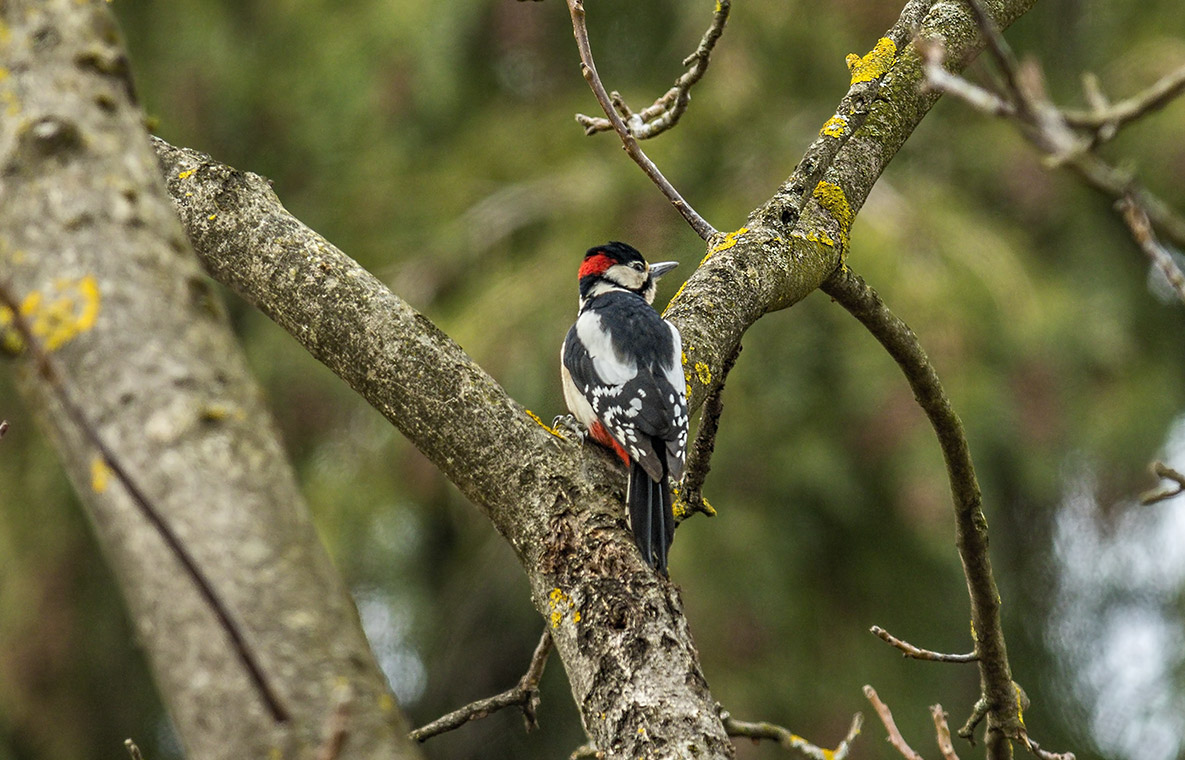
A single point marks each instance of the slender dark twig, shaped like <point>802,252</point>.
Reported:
<point>909,650</point>
<point>525,694</point>
<point>791,741</point>
<point>665,112</point>
<point>589,70</point>
<point>49,369</point>
<point>699,460</point>
<point>971,538</point>
<point>886,716</point>
<point>1162,470</point>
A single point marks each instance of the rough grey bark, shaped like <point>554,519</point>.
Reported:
<point>90,243</point>
<point>618,628</point>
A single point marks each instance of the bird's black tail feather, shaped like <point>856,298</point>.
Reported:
<point>650,516</point>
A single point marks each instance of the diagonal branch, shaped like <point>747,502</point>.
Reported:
<point>51,371</point>
<point>971,536</point>
<point>665,112</point>
<point>589,70</point>
<point>1025,102</point>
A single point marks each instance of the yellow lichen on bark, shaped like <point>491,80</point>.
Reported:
<point>875,64</point>
<point>57,315</point>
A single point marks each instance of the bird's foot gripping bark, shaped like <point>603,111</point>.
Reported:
<point>567,425</point>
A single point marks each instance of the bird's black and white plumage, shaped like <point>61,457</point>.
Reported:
<point>623,379</point>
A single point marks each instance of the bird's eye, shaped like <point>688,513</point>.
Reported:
<point>638,265</point>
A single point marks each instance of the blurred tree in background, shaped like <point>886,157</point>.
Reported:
<point>435,144</point>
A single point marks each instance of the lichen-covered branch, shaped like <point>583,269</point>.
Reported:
<point>665,112</point>
<point>46,367</point>
<point>792,243</point>
<point>617,626</point>
<point>93,252</point>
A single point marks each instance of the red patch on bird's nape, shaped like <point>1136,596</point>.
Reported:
<point>595,264</point>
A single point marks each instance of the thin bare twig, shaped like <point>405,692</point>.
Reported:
<point>525,694</point>
<point>942,731</point>
<point>1051,130</point>
<point>1045,754</point>
<point>665,112</point>
<point>886,716</point>
<point>1107,118</point>
<point>48,367</point>
<point>1162,470</point>
<point>1141,229</point>
<point>791,741</point>
<point>909,650</point>
<point>589,70</point>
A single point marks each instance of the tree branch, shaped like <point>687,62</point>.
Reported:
<point>1048,128</point>
<point>791,741</point>
<point>1107,119</point>
<point>909,650</point>
<point>862,302</point>
<point>1162,470</point>
<point>94,252</point>
<point>589,70</point>
<point>665,112</point>
<point>525,694</point>
<point>50,371</point>
<point>942,730</point>
<point>699,459</point>
<point>886,716</point>
<point>557,503</point>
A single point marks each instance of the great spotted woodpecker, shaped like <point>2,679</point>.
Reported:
<point>623,380</point>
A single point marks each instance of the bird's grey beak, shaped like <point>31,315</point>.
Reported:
<point>659,269</point>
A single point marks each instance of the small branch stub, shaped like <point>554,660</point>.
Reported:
<point>909,650</point>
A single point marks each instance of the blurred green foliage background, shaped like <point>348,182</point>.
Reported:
<point>434,142</point>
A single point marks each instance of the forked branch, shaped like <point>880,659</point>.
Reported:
<point>589,69</point>
<point>525,694</point>
<point>665,112</point>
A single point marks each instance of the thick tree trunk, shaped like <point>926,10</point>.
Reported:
<point>90,244</point>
